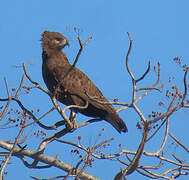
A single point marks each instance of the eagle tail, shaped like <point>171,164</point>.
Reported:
<point>116,122</point>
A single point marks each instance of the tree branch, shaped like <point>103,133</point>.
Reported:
<point>45,159</point>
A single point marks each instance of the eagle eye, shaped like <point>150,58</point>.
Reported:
<point>56,41</point>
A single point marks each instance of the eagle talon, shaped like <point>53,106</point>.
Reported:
<point>75,126</point>
<point>72,126</point>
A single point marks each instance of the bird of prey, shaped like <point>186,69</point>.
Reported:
<point>76,88</point>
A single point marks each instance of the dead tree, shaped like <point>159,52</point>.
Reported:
<point>130,161</point>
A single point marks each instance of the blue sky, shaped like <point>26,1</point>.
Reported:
<point>159,30</point>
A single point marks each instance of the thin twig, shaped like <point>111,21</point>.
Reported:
<point>153,86</point>
<point>52,178</point>
<point>167,123</point>
<point>75,61</point>
<point>27,75</point>
<point>6,85</point>
<point>8,100</point>
<point>185,86</point>
<point>165,136</point>
<point>148,88</point>
<point>134,163</point>
<point>80,50</point>
<point>127,56</point>
<point>20,86</point>
<point>143,76</point>
<point>34,82</point>
<point>106,102</point>
<point>181,144</point>
<point>11,152</point>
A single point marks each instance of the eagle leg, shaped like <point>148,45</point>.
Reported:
<point>73,119</point>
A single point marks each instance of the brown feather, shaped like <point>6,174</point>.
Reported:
<point>76,87</point>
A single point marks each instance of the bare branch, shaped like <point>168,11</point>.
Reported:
<point>181,144</point>
<point>44,159</point>
<point>53,178</point>
<point>165,136</point>
<point>106,102</point>
<point>11,152</point>
<point>167,124</point>
<point>139,113</point>
<point>8,100</point>
<point>127,56</point>
<point>62,112</point>
<point>76,59</point>
<point>20,86</point>
<point>82,45</point>
<point>34,82</point>
<point>88,122</point>
<point>27,75</point>
<point>148,88</point>
<point>134,163</point>
<point>153,86</point>
<point>185,86</point>
<point>147,71</point>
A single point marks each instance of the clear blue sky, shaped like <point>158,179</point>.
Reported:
<point>159,30</point>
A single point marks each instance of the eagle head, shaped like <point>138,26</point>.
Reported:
<point>53,41</point>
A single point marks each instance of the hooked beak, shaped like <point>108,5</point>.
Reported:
<point>67,43</point>
<point>64,43</point>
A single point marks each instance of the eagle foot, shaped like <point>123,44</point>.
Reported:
<point>72,126</point>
